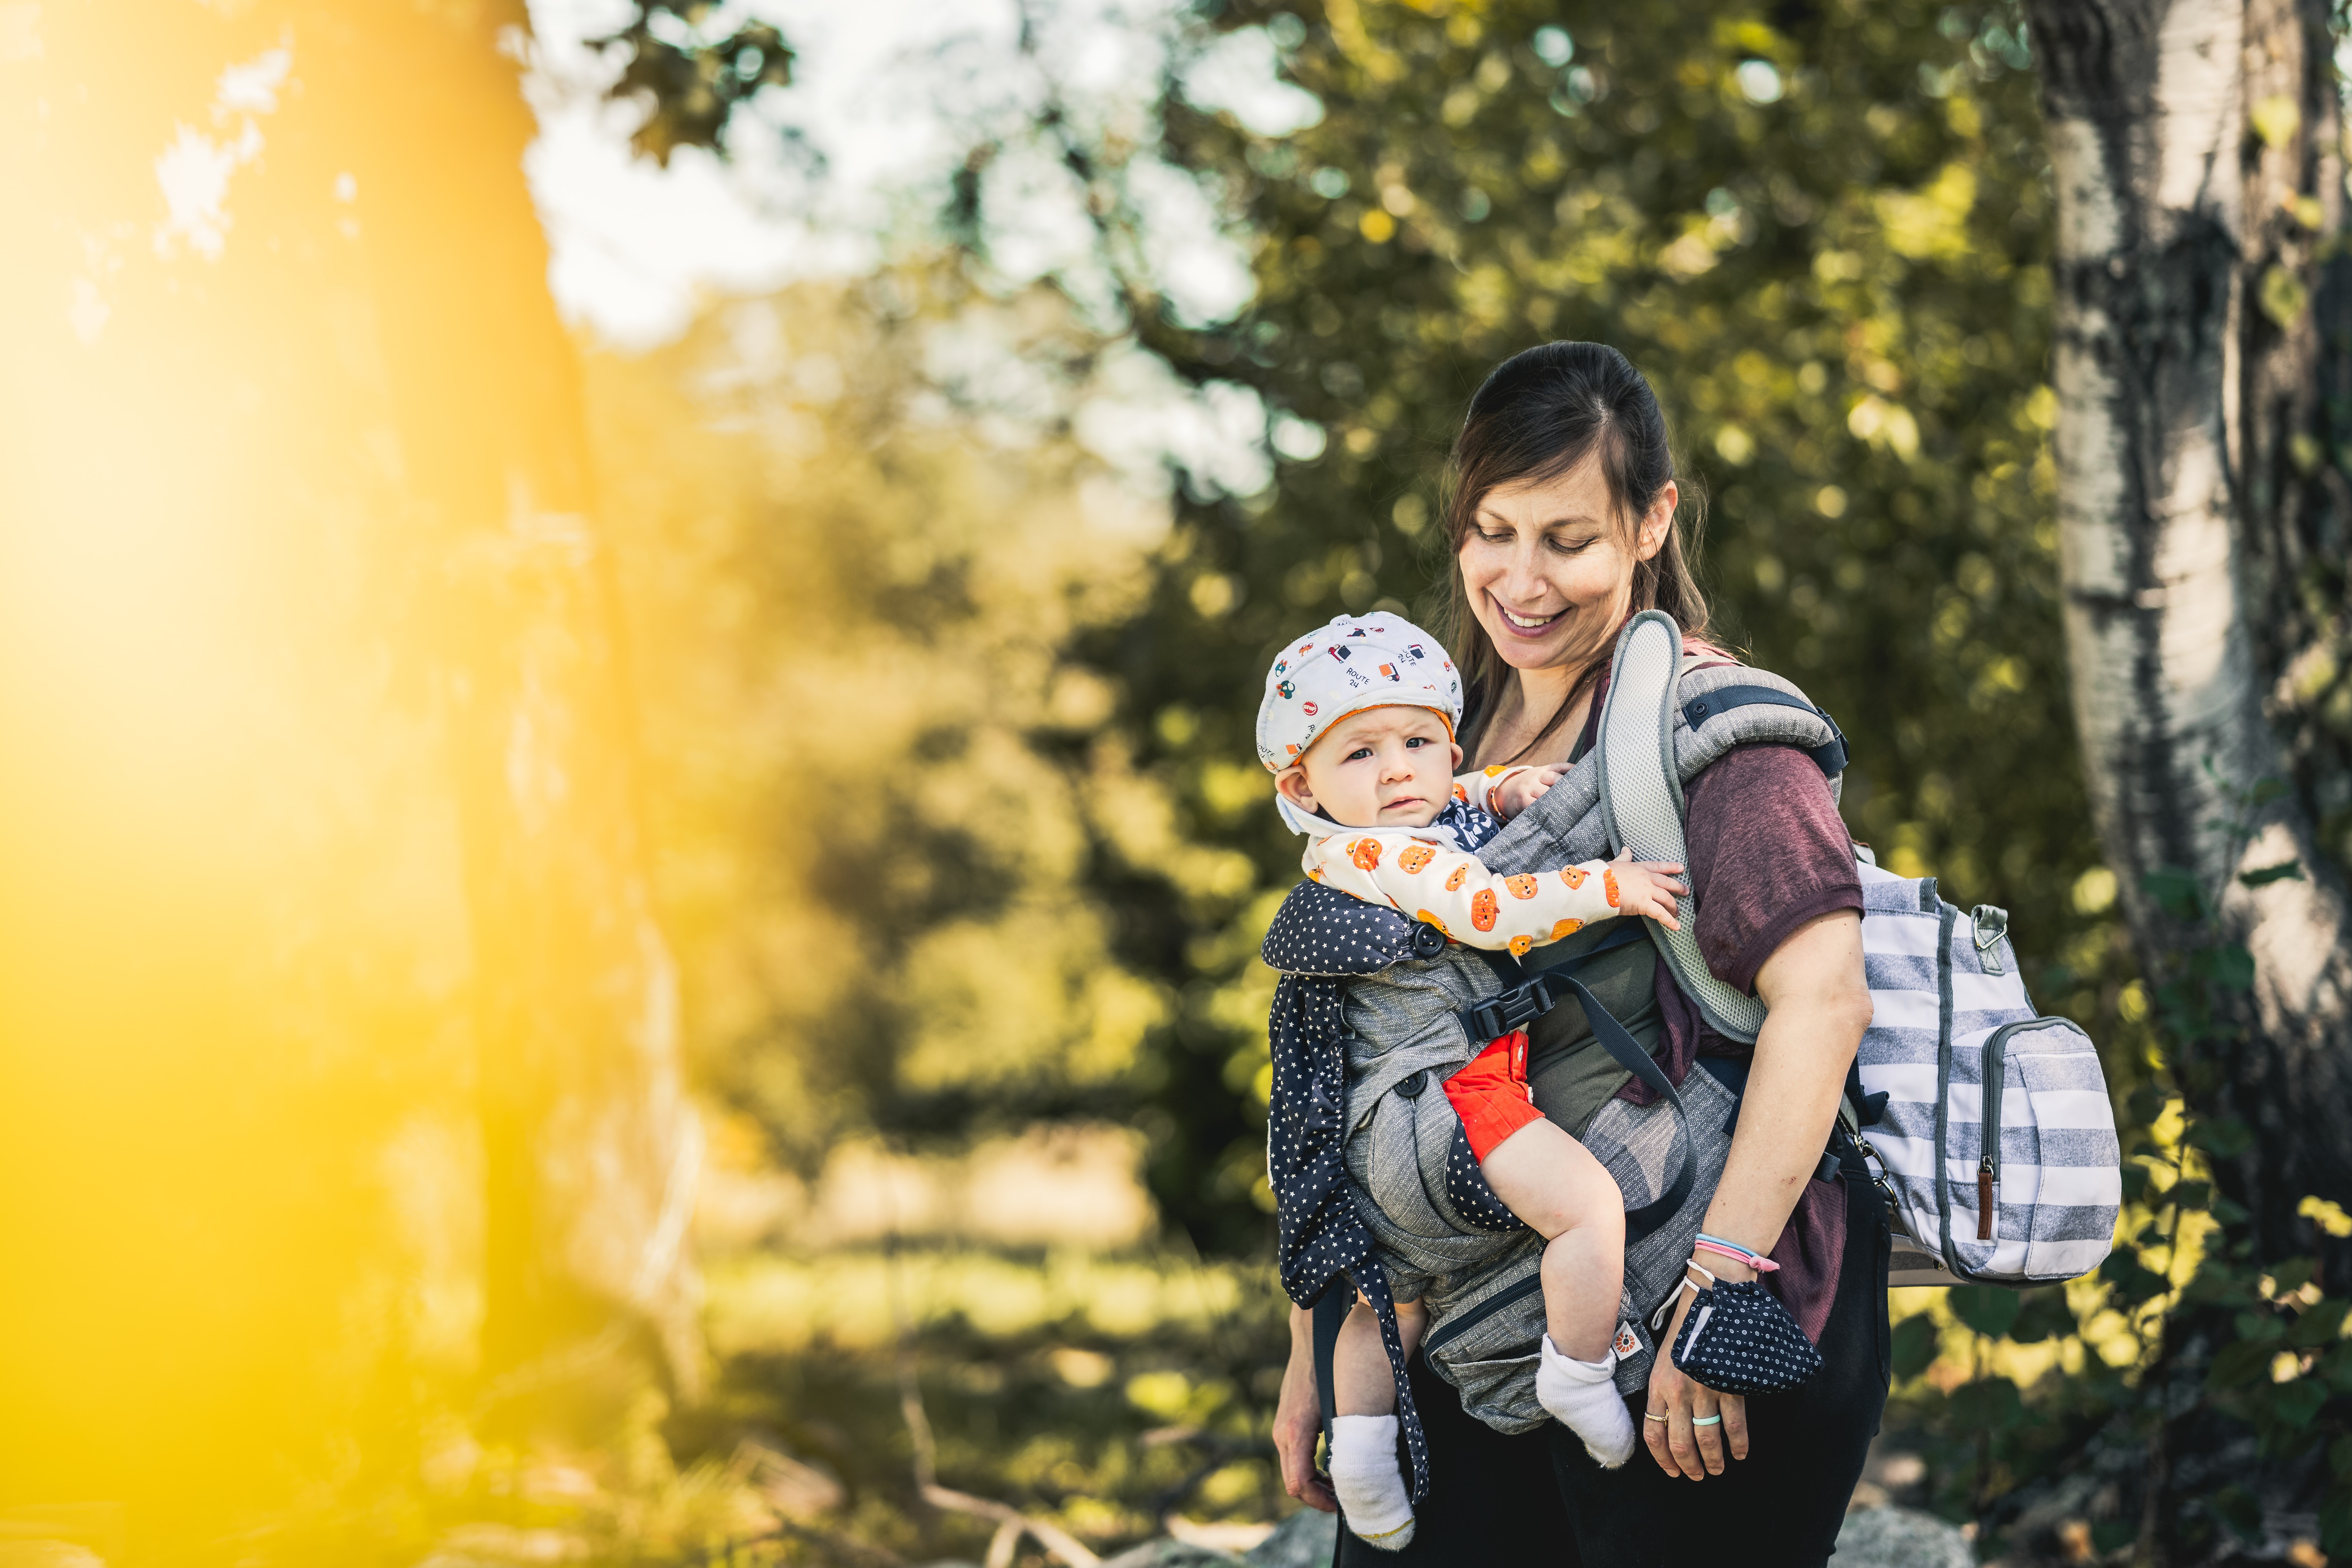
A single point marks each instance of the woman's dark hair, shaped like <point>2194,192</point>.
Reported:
<point>1539,415</point>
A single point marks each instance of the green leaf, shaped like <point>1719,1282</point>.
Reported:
<point>2240,1364</point>
<point>2259,1328</point>
<point>2190,1195</point>
<point>2224,1137</point>
<point>2336,1522</point>
<point>2297,1404</point>
<point>2045,1315</point>
<point>2321,1324</point>
<point>1986,1308</point>
<point>2134,1281</point>
<point>1915,1345</point>
<point>2281,872</point>
<point>2275,118</point>
<point>2176,893</point>
<point>2112,1535</point>
<point>2284,296</point>
<point>1988,1404</point>
<point>2227,968</point>
<point>2135,1174</point>
<point>2236,1507</point>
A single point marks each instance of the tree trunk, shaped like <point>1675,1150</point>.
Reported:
<point>591,1152</point>
<point>2194,146</point>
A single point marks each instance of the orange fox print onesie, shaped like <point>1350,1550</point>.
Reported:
<point>1451,890</point>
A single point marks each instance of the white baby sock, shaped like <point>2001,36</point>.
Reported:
<point>1364,1474</point>
<point>1582,1396</point>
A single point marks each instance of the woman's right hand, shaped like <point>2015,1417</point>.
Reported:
<point>1299,1419</point>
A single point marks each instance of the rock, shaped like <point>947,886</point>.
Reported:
<point>1166,1553</point>
<point>1304,1540</point>
<point>1901,1538</point>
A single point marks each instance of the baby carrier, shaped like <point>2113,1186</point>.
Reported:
<point>1358,1158</point>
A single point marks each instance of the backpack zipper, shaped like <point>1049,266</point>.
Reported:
<point>1996,1048</point>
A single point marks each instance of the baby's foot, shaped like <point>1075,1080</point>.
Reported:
<point>1365,1478</point>
<point>1582,1396</point>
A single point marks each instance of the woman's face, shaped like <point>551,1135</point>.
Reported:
<point>1549,566</point>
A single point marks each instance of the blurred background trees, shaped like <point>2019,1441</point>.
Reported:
<point>447,751</point>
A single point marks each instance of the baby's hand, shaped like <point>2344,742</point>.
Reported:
<point>1645,887</point>
<point>1522,790</point>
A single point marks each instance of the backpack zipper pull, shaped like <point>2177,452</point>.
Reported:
<point>1987,1175</point>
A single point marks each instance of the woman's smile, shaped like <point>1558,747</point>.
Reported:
<point>1528,625</point>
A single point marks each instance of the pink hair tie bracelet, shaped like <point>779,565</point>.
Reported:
<point>1738,1254</point>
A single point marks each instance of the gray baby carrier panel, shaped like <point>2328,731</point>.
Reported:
<point>1408,1032</point>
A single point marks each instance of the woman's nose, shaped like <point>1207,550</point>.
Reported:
<point>1524,579</point>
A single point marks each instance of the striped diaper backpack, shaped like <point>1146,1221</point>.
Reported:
<point>2007,1106</point>
<point>1993,1130</point>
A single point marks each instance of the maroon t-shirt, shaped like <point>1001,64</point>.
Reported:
<point>1768,853</point>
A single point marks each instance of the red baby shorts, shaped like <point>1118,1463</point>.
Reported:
<point>1491,1094</point>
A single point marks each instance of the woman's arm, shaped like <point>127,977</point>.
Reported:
<point>1298,1419</point>
<point>1818,1006</point>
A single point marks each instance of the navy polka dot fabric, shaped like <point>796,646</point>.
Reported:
<point>1466,1188</point>
<point>1739,1339</point>
<point>1471,825</point>
<point>1319,936</point>
<point>1322,931</point>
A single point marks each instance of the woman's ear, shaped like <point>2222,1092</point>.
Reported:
<point>1657,520</point>
<point>1291,784</point>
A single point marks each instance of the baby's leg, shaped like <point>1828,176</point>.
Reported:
<point>1361,1382</point>
<point>1554,1184</point>
<point>1364,1472</point>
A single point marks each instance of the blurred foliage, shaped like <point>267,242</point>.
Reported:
<point>883,781</point>
<point>860,543</point>
<point>689,82</point>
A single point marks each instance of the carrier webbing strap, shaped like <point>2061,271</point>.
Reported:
<point>1530,996</point>
<point>1330,1311</point>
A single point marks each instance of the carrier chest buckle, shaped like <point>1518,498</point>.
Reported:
<point>1515,1010</point>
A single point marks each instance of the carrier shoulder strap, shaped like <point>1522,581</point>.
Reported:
<point>1642,803</point>
<point>1642,800</point>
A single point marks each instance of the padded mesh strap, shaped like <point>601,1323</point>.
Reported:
<point>1642,803</point>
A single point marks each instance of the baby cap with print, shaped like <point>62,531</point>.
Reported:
<point>1355,662</point>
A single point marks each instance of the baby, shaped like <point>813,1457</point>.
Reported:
<point>1357,726</point>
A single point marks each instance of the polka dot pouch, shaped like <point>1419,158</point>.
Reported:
<point>1739,1339</point>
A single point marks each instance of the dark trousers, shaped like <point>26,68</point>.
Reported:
<point>1540,1499</point>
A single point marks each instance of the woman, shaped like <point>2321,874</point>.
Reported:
<point>1563,525</point>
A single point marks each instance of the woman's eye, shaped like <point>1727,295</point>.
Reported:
<point>1570,546</point>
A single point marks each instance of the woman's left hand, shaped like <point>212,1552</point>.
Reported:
<point>1680,1448</point>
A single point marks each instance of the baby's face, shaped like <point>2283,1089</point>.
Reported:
<point>1384,767</point>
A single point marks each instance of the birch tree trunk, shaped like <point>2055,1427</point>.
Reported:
<point>2202,516</point>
